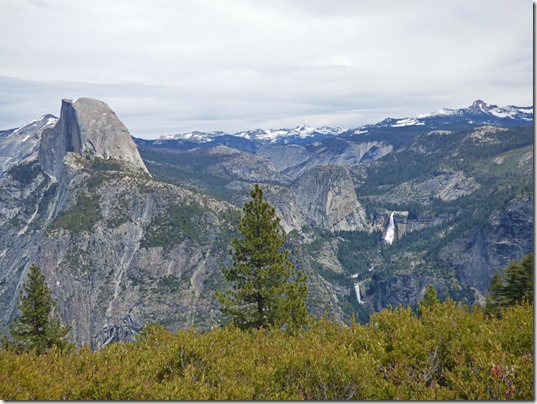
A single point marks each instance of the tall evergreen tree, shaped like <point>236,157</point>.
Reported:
<point>511,286</point>
<point>430,299</point>
<point>266,289</point>
<point>35,329</point>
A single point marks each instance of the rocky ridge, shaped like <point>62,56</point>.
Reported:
<point>90,217</point>
<point>23,143</point>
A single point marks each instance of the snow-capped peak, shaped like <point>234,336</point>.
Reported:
<point>440,112</point>
<point>271,135</point>
<point>482,108</point>
<point>407,122</point>
<point>479,112</point>
<point>42,122</point>
<point>482,105</point>
<point>195,136</point>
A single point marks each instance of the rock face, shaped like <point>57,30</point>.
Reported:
<point>444,185</point>
<point>123,251</point>
<point>87,127</point>
<point>243,166</point>
<point>292,160</point>
<point>326,198</point>
<point>117,249</point>
<point>23,142</point>
<point>322,197</point>
<point>483,251</point>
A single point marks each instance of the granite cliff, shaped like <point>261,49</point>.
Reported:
<point>19,144</point>
<point>90,128</point>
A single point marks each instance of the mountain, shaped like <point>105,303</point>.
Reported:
<point>449,182</point>
<point>87,127</point>
<point>118,249</point>
<point>135,231</point>
<point>19,144</point>
<point>479,113</point>
<point>300,134</point>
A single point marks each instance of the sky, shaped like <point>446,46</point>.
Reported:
<point>175,66</point>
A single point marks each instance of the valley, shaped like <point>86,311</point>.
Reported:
<point>130,231</point>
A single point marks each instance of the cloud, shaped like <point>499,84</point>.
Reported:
<point>170,66</point>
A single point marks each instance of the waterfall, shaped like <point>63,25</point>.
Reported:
<point>357,289</point>
<point>390,233</point>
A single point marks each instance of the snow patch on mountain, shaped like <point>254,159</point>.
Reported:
<point>270,135</point>
<point>440,112</point>
<point>407,122</point>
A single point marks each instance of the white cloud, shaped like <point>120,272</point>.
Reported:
<point>170,66</point>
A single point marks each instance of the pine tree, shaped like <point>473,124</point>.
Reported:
<point>430,299</point>
<point>511,286</point>
<point>266,289</point>
<point>35,329</point>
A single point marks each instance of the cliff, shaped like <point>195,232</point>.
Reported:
<point>90,128</point>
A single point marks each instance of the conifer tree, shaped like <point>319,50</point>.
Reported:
<point>430,299</point>
<point>511,286</point>
<point>266,289</point>
<point>35,329</point>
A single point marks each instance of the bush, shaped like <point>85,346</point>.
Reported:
<point>449,353</point>
<point>25,173</point>
<point>82,216</point>
<point>174,225</point>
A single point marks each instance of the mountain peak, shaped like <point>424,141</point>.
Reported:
<point>89,127</point>
<point>480,105</point>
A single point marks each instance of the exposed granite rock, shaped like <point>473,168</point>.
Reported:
<point>292,160</point>
<point>118,249</point>
<point>322,197</point>
<point>447,186</point>
<point>118,273</point>
<point>90,128</point>
<point>326,198</point>
<point>244,166</point>
<point>285,156</point>
<point>153,251</point>
<point>483,251</point>
<point>443,185</point>
<point>23,142</point>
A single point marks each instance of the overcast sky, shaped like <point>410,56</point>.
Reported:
<point>182,65</point>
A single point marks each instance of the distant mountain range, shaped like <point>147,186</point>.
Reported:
<point>301,132</point>
<point>479,113</point>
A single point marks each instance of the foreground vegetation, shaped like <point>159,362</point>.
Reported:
<point>448,352</point>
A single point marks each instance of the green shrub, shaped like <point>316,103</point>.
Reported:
<point>25,173</point>
<point>82,216</point>
<point>174,225</point>
<point>449,353</point>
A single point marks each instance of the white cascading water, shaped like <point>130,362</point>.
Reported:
<point>357,289</point>
<point>390,233</point>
